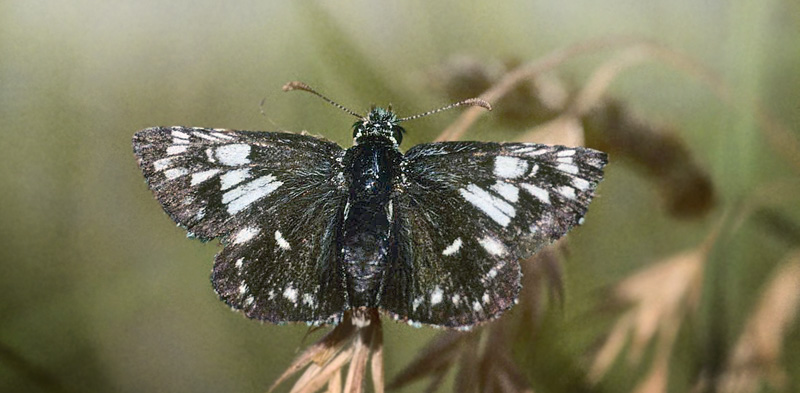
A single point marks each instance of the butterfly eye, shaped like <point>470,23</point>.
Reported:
<point>397,133</point>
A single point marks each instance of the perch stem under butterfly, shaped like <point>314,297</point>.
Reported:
<point>297,85</point>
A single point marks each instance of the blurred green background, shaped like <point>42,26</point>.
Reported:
<point>101,292</point>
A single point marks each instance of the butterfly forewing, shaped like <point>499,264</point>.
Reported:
<point>468,211</point>
<point>274,199</point>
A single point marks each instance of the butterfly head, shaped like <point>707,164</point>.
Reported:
<point>379,123</point>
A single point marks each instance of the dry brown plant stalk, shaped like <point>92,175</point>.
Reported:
<point>660,296</point>
<point>351,343</point>
<point>757,354</point>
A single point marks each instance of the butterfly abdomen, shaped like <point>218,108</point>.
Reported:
<point>367,218</point>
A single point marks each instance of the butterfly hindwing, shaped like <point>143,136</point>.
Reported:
<point>468,211</point>
<point>287,271</point>
<point>274,199</point>
<point>441,274</point>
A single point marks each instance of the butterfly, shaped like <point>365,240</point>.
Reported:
<point>311,230</point>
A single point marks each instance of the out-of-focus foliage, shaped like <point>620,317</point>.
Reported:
<point>684,277</point>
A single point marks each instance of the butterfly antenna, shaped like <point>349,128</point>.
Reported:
<point>297,85</point>
<point>261,106</point>
<point>263,113</point>
<point>468,102</point>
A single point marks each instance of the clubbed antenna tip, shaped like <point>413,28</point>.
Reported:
<point>468,102</point>
<point>477,102</point>
<point>297,85</point>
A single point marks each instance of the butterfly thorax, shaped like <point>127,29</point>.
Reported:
<point>367,216</point>
<point>380,123</point>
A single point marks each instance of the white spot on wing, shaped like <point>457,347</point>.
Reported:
<point>290,294</point>
<point>537,152</point>
<point>210,155</point>
<point>282,243</point>
<point>566,153</point>
<point>492,273</point>
<point>175,172</point>
<point>540,193</point>
<point>245,234</point>
<point>164,163</point>
<point>249,301</point>
<point>528,148</point>
<point>199,177</point>
<point>205,136</point>
<point>509,167</point>
<point>239,263</point>
<point>178,134</point>
<point>568,168</point>
<point>497,209</point>
<point>233,155</point>
<point>234,177</point>
<point>567,191</point>
<point>476,305</point>
<point>436,296</point>
<point>416,303</point>
<point>242,196</point>
<point>176,149</point>
<point>485,298</point>
<point>456,299</point>
<point>580,184</point>
<point>222,135</point>
<point>507,191</point>
<point>453,248</point>
<point>242,289</point>
<point>309,300</point>
<point>492,246</point>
